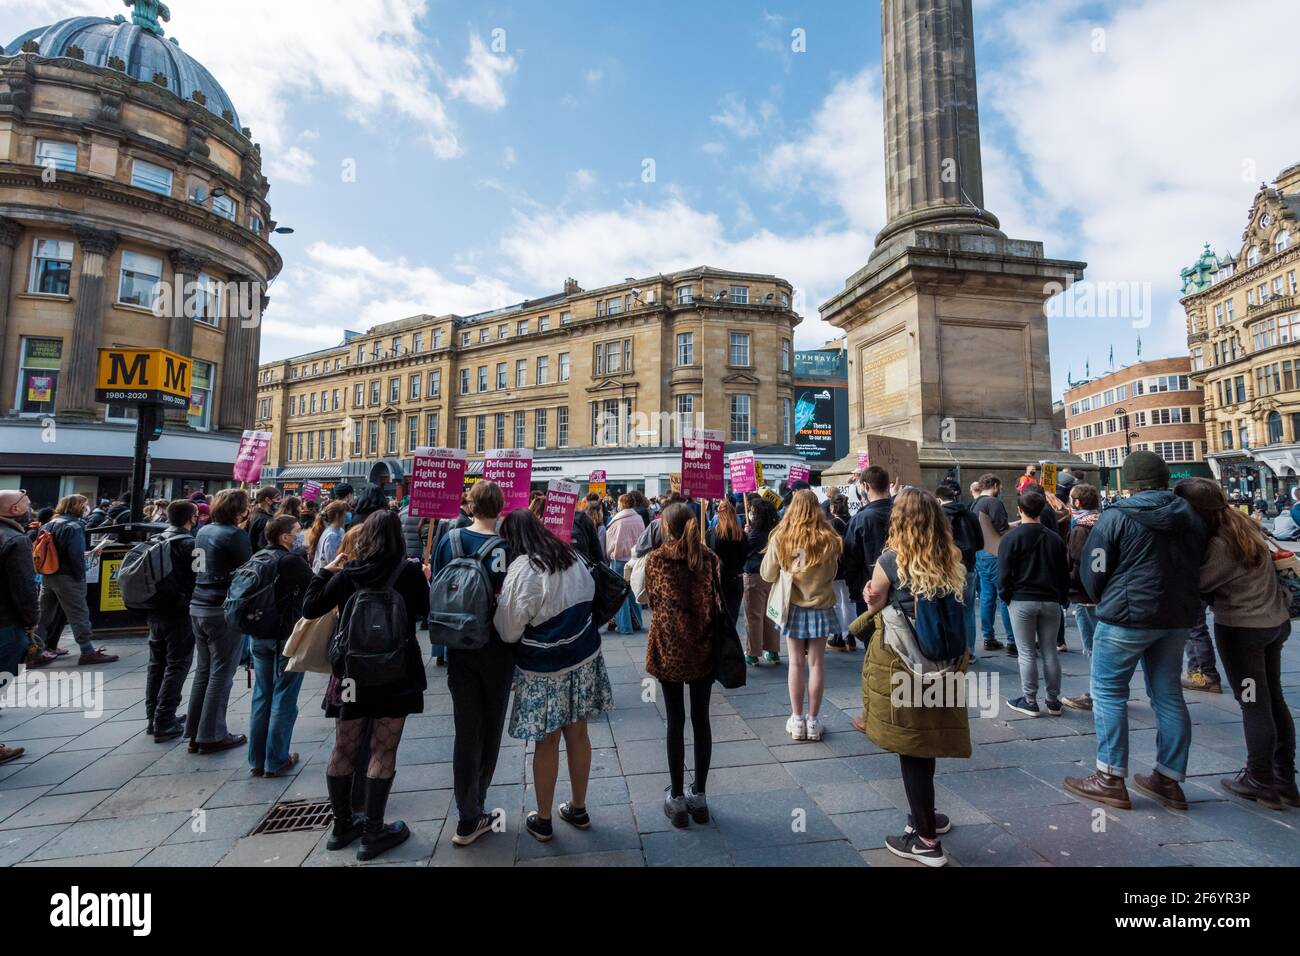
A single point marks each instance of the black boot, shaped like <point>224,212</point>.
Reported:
<point>347,825</point>
<point>379,837</point>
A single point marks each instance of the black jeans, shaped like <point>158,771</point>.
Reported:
<point>1252,656</point>
<point>675,704</point>
<point>480,683</point>
<point>918,784</point>
<point>171,650</point>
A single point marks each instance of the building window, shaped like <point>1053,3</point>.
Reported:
<point>521,429</point>
<point>1228,309</point>
<point>785,355</point>
<point>51,267</point>
<point>1282,241</point>
<point>499,432</point>
<point>38,375</point>
<point>522,327</point>
<point>562,427</point>
<point>686,348</point>
<point>544,323</point>
<point>613,358</point>
<point>311,445</point>
<point>521,373</point>
<point>739,354</point>
<point>156,179</point>
<point>464,338</point>
<point>480,432</point>
<point>392,436</point>
<point>501,374</point>
<point>613,306</point>
<point>141,276</point>
<point>482,378</point>
<point>484,335</point>
<point>372,437</point>
<point>1252,257</point>
<point>1274,428</point>
<point>431,429</point>
<point>564,366</point>
<point>685,294</point>
<point>739,295</point>
<point>334,443</point>
<point>464,381</point>
<point>313,403</point>
<point>414,387</point>
<point>199,415</point>
<point>356,438</point>
<point>503,331</point>
<point>543,370</point>
<point>437,338</point>
<point>566,318</point>
<point>225,207</point>
<point>394,389</point>
<point>540,428</point>
<point>374,392</point>
<point>208,302</point>
<point>435,383</point>
<point>786,428</point>
<point>361,354</point>
<point>740,427</point>
<point>417,342</point>
<point>51,154</point>
<point>255,224</point>
<point>462,433</point>
<point>685,407</point>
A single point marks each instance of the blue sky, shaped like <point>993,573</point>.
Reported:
<point>500,147</point>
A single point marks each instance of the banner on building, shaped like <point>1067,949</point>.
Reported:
<point>512,469</point>
<point>558,509</point>
<point>437,482</point>
<point>253,448</point>
<point>703,451</point>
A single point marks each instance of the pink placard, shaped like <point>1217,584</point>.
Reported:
<point>596,477</point>
<point>741,467</point>
<point>310,490</point>
<point>702,464</point>
<point>437,482</point>
<point>560,506</point>
<point>512,469</point>
<point>864,460</point>
<point>253,448</point>
<point>799,473</point>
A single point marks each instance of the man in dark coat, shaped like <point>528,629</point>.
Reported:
<point>864,541</point>
<point>1141,566</point>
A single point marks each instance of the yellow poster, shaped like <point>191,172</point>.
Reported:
<point>758,472</point>
<point>1048,477</point>
<point>110,596</point>
<point>675,481</point>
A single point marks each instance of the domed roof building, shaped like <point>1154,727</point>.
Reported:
<point>133,213</point>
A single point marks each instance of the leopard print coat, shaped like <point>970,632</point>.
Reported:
<point>681,602</point>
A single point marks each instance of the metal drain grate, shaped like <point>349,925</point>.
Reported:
<point>296,816</point>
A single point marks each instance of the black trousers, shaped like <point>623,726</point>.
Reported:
<point>1252,657</point>
<point>171,651</point>
<point>480,683</point>
<point>918,784</point>
<point>675,705</point>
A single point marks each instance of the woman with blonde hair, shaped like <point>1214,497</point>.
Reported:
<point>325,536</point>
<point>63,592</point>
<point>806,547</point>
<point>920,563</point>
<point>1252,620</point>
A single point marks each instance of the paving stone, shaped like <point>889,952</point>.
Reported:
<point>225,825</point>
<point>417,850</point>
<point>1071,836</point>
<point>203,854</point>
<point>55,808</point>
<point>107,773</point>
<point>52,769</point>
<point>772,818</point>
<point>146,796</point>
<point>627,858</point>
<point>60,724</point>
<point>272,849</point>
<point>834,853</point>
<point>122,858</point>
<point>986,844</point>
<point>107,734</point>
<point>695,846</point>
<point>90,837</point>
<point>1002,789</point>
<point>867,830</point>
<point>12,801</point>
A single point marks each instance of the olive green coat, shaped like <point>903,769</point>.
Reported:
<point>914,731</point>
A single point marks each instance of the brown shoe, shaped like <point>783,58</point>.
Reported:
<point>41,659</point>
<point>1101,787</point>
<point>1198,681</point>
<point>285,768</point>
<point>1082,702</point>
<point>1160,788</point>
<point>97,657</point>
<point>1247,786</point>
<point>10,753</point>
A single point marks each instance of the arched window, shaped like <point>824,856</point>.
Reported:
<point>1252,257</point>
<point>1281,240</point>
<point>1274,428</point>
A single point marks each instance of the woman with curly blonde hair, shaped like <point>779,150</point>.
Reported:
<point>920,563</point>
<point>805,547</point>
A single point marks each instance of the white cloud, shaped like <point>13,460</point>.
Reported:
<point>584,179</point>
<point>734,116</point>
<point>594,77</point>
<point>483,84</point>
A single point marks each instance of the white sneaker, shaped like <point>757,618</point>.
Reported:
<point>795,728</point>
<point>813,728</point>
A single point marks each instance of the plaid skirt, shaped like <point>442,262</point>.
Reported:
<point>808,623</point>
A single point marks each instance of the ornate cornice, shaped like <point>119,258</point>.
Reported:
<point>10,232</point>
<point>186,261</point>
<point>95,241</point>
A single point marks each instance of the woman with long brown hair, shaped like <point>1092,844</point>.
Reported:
<point>681,578</point>
<point>920,562</point>
<point>1252,620</point>
<point>806,547</point>
<point>727,541</point>
<point>326,534</point>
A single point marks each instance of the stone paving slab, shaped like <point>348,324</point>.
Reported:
<point>98,791</point>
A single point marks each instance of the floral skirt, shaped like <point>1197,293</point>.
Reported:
<point>808,623</point>
<point>544,703</point>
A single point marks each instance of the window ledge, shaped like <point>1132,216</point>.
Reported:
<point>127,307</point>
<point>44,297</point>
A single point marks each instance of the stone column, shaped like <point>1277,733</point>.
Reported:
<point>186,267</point>
<point>933,175</point>
<point>10,232</point>
<point>238,402</point>
<point>76,398</point>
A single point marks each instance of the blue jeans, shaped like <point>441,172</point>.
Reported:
<point>628,618</point>
<point>13,648</point>
<point>1116,652</point>
<point>274,707</point>
<point>968,608</point>
<point>1085,617</point>
<point>986,566</point>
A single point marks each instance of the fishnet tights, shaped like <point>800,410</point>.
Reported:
<point>385,735</point>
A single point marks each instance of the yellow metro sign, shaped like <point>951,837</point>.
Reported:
<point>143,377</point>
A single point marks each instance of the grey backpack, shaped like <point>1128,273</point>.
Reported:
<point>146,572</point>
<point>461,600</point>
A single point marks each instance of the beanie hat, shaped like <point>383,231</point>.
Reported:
<point>1145,469</point>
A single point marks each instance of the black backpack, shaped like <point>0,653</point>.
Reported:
<point>966,535</point>
<point>369,643</point>
<point>250,602</point>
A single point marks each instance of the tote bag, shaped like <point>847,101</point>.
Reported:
<point>308,647</point>
<point>778,599</point>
